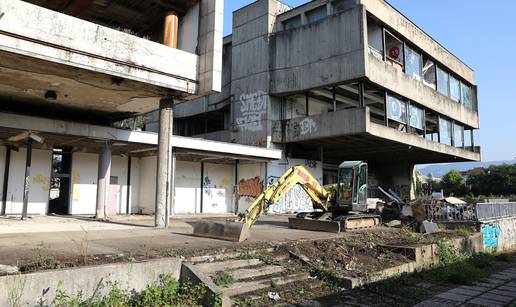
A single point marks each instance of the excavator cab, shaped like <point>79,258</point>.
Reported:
<point>351,187</point>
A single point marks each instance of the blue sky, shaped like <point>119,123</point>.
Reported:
<point>483,35</point>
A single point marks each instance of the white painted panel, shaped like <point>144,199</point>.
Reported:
<point>119,169</point>
<point>148,168</point>
<point>218,187</point>
<point>3,150</point>
<point>295,200</point>
<point>187,187</point>
<point>135,185</point>
<point>83,196</point>
<point>39,183</point>
<point>248,171</point>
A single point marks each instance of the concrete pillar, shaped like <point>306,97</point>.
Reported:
<point>164,172</point>
<point>26,184</point>
<point>104,176</point>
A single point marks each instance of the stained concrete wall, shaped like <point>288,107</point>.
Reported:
<point>147,193</point>
<point>320,53</point>
<point>39,184</point>
<point>330,124</point>
<point>250,103</point>
<point>39,289</point>
<point>499,234</point>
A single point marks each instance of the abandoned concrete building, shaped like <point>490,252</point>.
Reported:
<point>330,81</point>
<point>69,70</point>
<point>315,85</point>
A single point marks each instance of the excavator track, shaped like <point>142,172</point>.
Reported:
<point>335,225</point>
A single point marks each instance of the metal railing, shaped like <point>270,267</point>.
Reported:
<point>441,211</point>
<point>487,211</point>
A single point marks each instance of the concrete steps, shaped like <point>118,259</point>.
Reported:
<point>249,275</point>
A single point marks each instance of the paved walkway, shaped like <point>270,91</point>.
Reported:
<point>498,290</point>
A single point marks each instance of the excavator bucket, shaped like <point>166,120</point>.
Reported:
<point>314,224</point>
<point>223,230</point>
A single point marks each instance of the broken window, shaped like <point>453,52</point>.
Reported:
<point>375,39</point>
<point>412,63</point>
<point>396,109</point>
<point>291,23</point>
<point>429,73</point>
<point>466,96</point>
<point>394,49</point>
<point>454,89</point>
<point>316,14</point>
<point>458,135</point>
<point>445,131</point>
<point>416,119</point>
<point>431,127</point>
<point>443,80</point>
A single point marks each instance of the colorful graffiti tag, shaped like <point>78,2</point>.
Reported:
<point>490,235</point>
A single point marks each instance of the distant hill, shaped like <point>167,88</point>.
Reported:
<point>438,170</point>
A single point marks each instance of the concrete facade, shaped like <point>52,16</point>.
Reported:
<point>336,80</point>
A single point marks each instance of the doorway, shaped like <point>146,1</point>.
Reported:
<point>59,197</point>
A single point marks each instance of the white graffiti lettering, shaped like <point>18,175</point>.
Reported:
<point>252,107</point>
<point>307,126</point>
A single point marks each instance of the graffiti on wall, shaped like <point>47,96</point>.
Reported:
<point>296,199</point>
<point>253,107</point>
<point>307,126</point>
<point>490,235</point>
<point>250,187</point>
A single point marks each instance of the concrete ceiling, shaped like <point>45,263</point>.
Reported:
<point>43,88</point>
<point>372,149</point>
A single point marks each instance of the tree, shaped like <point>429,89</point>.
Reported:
<point>453,183</point>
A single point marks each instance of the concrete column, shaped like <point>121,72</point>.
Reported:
<point>104,176</point>
<point>164,172</point>
<point>26,184</point>
<point>6,179</point>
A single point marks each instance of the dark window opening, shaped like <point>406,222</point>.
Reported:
<point>59,196</point>
<point>291,23</point>
<point>316,14</point>
<point>202,123</point>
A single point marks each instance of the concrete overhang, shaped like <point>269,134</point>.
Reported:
<point>52,58</point>
<point>90,138</point>
<point>350,135</point>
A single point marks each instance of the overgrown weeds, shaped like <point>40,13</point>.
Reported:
<point>166,291</point>
<point>223,279</point>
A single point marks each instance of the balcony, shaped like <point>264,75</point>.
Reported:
<point>351,134</point>
<point>54,59</point>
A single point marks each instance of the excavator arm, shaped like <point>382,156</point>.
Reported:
<point>294,175</point>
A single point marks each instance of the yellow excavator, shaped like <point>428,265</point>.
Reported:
<point>338,207</point>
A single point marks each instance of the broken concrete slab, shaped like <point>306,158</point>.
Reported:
<point>429,227</point>
<point>8,269</point>
<point>223,230</point>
